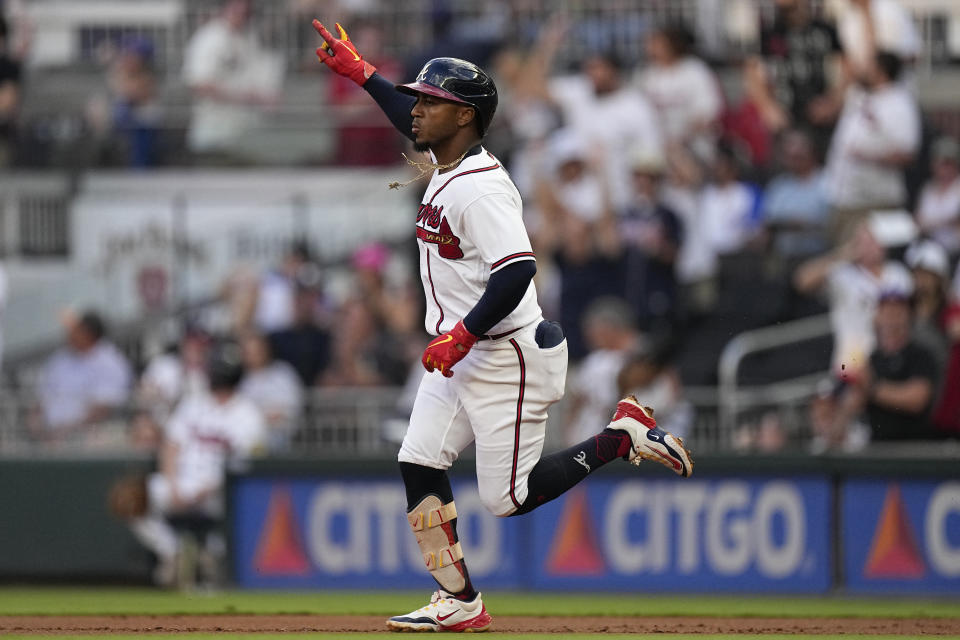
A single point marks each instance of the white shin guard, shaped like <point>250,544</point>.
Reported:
<point>431,521</point>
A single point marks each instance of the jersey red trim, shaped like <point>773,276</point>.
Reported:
<point>444,186</point>
<point>516,428</point>
<point>512,256</point>
<point>434,291</point>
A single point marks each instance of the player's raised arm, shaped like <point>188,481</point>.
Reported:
<point>342,57</point>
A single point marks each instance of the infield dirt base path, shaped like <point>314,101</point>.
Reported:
<point>504,624</point>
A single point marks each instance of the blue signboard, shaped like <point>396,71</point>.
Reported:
<point>628,535</point>
<point>901,536</point>
<point>718,534</point>
<point>327,533</point>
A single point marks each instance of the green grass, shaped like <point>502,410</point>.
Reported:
<point>522,636</point>
<point>133,601</point>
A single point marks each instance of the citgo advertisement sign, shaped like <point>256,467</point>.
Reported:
<point>606,534</point>
<point>901,536</point>
<point>724,534</point>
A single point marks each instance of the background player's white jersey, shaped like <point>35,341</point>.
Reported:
<point>470,225</point>
<point>210,435</point>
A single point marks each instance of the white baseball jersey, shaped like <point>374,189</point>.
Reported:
<point>210,435</point>
<point>470,225</point>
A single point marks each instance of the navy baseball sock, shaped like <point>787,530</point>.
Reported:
<point>554,474</point>
<point>420,482</point>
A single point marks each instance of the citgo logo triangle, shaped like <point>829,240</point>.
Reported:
<point>894,552</point>
<point>280,549</point>
<point>574,550</point>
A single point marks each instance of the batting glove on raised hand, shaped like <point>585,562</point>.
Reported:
<point>449,349</point>
<point>340,55</point>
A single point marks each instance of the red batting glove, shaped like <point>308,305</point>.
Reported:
<point>449,349</point>
<point>341,56</point>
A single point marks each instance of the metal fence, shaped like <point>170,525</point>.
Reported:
<point>370,422</point>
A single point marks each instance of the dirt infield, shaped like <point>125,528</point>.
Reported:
<point>94,625</point>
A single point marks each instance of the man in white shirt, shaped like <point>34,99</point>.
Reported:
<point>865,26</point>
<point>853,277</point>
<point>83,382</point>
<point>274,387</point>
<point>877,136</point>
<point>231,77</point>
<point>683,90</point>
<point>613,119</point>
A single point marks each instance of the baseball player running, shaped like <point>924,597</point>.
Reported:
<point>496,364</point>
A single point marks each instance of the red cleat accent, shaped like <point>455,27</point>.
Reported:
<point>641,414</point>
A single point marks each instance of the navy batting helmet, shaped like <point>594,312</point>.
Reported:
<point>460,81</point>
<point>225,366</point>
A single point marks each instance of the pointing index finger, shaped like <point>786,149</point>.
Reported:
<point>322,30</point>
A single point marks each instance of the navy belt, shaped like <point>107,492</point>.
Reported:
<point>497,336</point>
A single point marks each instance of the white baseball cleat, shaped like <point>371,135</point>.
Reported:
<point>649,441</point>
<point>445,613</point>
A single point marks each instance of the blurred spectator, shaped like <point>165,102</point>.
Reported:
<point>4,292</point>
<point>136,108</point>
<point>795,208</point>
<point>274,387</point>
<point>757,118</point>
<point>800,50</point>
<point>656,383</point>
<point>365,136</point>
<point>612,118</point>
<point>854,275</point>
<point>82,383</point>
<point>275,295</point>
<point>835,421</point>
<point>377,335</point>
<point>169,377</point>
<point>129,117</point>
<point>528,114</point>
<point>207,434</point>
<point>305,344</point>
<point>730,207</point>
<point>232,79</point>
<point>938,209</point>
<point>611,336</point>
<point>898,388</point>
<point>364,354</point>
<point>579,232</point>
<point>866,26</point>
<point>946,415</point>
<point>696,265</point>
<point>877,136</point>
<point>10,90</point>
<point>651,234</point>
<point>930,267</point>
<point>446,38</point>
<point>683,90</point>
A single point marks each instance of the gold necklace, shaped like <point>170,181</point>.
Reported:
<point>424,168</point>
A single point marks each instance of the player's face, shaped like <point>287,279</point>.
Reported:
<point>436,120</point>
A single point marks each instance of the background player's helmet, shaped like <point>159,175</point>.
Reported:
<point>460,81</point>
<point>225,366</point>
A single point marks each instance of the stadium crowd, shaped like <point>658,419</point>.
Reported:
<point>669,211</point>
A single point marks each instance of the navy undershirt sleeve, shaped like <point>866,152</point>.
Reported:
<point>504,291</point>
<point>396,105</point>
